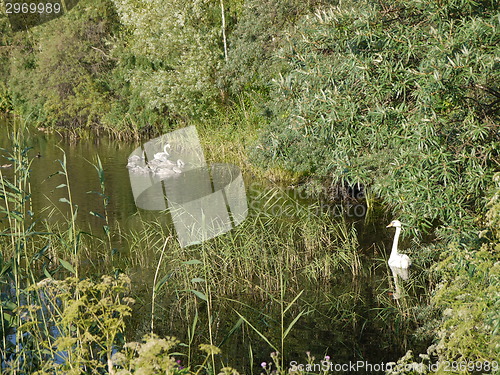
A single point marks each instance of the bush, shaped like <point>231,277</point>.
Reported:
<point>402,99</point>
<point>258,32</point>
<point>58,70</point>
<point>172,53</point>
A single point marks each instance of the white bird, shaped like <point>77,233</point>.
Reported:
<point>166,168</point>
<point>397,260</point>
<point>137,169</point>
<point>163,156</point>
<point>164,172</point>
<point>156,163</point>
<point>136,158</point>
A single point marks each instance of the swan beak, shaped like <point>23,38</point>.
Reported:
<point>389,226</point>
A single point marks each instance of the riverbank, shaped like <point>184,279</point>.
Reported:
<point>396,105</point>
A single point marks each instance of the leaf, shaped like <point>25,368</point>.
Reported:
<point>40,253</point>
<point>64,200</point>
<point>200,295</point>
<point>5,268</point>
<point>67,265</point>
<point>192,330</point>
<point>290,326</point>
<point>197,280</point>
<point>256,331</point>
<point>10,305</point>
<point>162,282</point>
<point>294,300</point>
<point>61,186</point>
<point>193,261</point>
<point>8,317</point>
<point>97,214</point>
<point>47,273</point>
<point>232,330</point>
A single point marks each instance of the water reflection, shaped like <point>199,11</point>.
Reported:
<point>397,274</point>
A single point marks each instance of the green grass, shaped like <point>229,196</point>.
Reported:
<point>261,259</point>
<point>260,285</point>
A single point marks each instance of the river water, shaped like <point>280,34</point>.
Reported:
<point>365,335</point>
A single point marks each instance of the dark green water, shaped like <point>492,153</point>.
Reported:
<point>350,318</point>
<point>83,177</point>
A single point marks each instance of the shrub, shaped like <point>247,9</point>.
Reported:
<point>58,70</point>
<point>395,98</point>
<point>172,51</point>
<point>258,32</point>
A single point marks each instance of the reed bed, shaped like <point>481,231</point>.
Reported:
<point>75,303</point>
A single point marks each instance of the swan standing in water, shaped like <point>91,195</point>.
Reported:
<point>397,260</point>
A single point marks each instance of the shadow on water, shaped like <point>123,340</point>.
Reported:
<point>346,314</point>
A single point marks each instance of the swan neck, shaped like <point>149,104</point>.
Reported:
<point>394,251</point>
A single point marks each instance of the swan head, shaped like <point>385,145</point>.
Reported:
<point>395,224</point>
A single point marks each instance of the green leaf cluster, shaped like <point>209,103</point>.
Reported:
<point>89,317</point>
<point>170,53</point>
<point>402,98</point>
<point>58,70</point>
<point>468,293</point>
<point>258,31</point>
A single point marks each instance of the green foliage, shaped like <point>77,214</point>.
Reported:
<point>5,47</point>
<point>469,294</point>
<point>256,36</point>
<point>172,54</point>
<point>153,356</point>
<point>89,317</point>
<point>58,70</point>
<point>468,299</point>
<point>493,214</point>
<point>402,98</point>
<point>395,98</point>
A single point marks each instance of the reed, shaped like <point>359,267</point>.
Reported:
<point>79,318</point>
<point>262,275</point>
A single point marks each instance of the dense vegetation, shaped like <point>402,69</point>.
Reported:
<point>401,99</point>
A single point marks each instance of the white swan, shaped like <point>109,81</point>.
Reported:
<point>396,259</point>
<point>163,172</point>
<point>137,169</point>
<point>135,160</point>
<point>163,156</point>
<point>165,168</point>
<point>156,163</point>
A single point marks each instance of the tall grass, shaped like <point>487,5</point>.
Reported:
<point>70,324</point>
<point>304,245</point>
<point>259,269</point>
<point>257,284</point>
